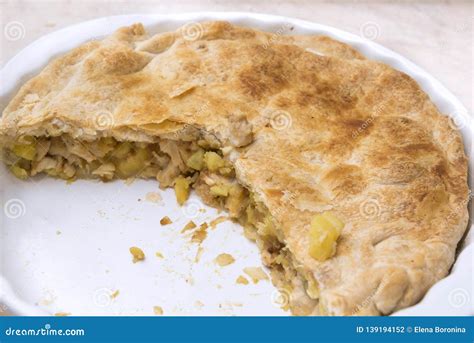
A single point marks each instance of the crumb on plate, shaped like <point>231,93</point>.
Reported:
<point>256,274</point>
<point>189,226</point>
<point>137,253</point>
<point>165,220</point>
<point>242,280</point>
<point>224,259</point>
<point>200,235</point>
<point>153,197</point>
<point>217,221</point>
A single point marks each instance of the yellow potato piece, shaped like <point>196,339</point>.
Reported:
<point>122,150</point>
<point>226,171</point>
<point>335,221</point>
<point>220,190</point>
<point>236,201</point>
<point>181,188</point>
<point>196,161</point>
<point>26,151</point>
<point>137,253</point>
<point>324,232</point>
<point>19,172</point>
<point>133,164</point>
<point>213,161</point>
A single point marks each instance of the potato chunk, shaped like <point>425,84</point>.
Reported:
<point>133,164</point>
<point>220,190</point>
<point>196,161</point>
<point>181,188</point>
<point>26,150</point>
<point>236,201</point>
<point>137,253</point>
<point>213,161</point>
<point>122,150</point>
<point>324,232</point>
<point>19,172</point>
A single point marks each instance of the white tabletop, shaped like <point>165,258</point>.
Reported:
<point>436,36</point>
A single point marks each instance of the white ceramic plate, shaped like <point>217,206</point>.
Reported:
<point>65,248</point>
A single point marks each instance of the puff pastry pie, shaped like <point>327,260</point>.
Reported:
<point>348,178</point>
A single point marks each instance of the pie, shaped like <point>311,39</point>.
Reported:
<point>341,169</point>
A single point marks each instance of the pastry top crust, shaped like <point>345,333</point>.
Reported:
<point>309,132</point>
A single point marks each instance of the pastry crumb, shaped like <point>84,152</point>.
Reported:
<point>242,280</point>
<point>217,221</point>
<point>198,254</point>
<point>58,232</point>
<point>201,234</point>
<point>165,220</point>
<point>137,253</point>
<point>62,314</point>
<point>114,294</point>
<point>159,254</point>
<point>224,259</point>
<point>189,226</point>
<point>158,310</point>
<point>153,197</point>
<point>256,274</point>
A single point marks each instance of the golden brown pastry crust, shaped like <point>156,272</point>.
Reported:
<point>332,131</point>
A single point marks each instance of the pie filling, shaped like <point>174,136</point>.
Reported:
<point>183,165</point>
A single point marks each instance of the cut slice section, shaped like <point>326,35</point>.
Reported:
<point>184,166</point>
